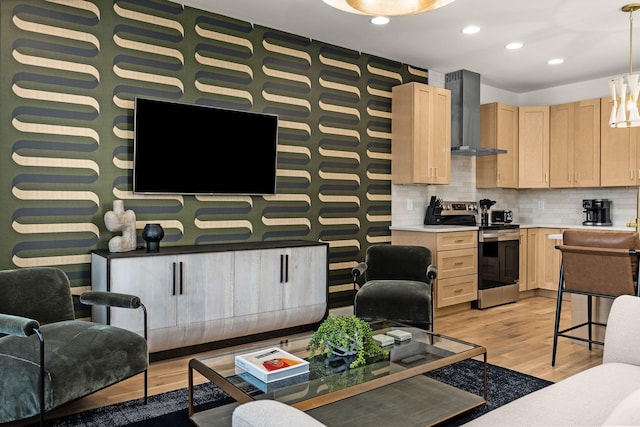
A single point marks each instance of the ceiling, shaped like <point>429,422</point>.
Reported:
<point>592,36</point>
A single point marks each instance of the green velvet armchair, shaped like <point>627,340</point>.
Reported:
<point>47,357</point>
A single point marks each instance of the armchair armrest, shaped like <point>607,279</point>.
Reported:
<point>111,299</point>
<point>358,270</point>
<point>17,325</point>
<point>114,299</point>
<point>432,272</point>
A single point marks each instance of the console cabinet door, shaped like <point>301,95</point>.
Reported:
<point>205,290</point>
<point>306,265</point>
<point>276,279</point>
<point>152,279</point>
<point>258,278</point>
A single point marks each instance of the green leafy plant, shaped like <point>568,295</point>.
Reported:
<point>339,333</point>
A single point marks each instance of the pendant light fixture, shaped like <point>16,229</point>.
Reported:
<point>625,102</point>
<point>387,7</point>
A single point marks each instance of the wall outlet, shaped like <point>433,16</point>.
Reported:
<point>540,205</point>
<point>409,204</point>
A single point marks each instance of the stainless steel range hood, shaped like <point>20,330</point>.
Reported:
<point>465,114</point>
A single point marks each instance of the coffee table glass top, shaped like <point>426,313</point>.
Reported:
<point>326,383</point>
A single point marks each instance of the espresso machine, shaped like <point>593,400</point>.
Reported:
<point>598,211</point>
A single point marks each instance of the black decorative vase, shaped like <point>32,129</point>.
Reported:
<point>152,234</point>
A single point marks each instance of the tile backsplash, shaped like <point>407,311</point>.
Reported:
<point>547,207</point>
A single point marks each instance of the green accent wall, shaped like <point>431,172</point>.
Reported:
<point>70,73</point>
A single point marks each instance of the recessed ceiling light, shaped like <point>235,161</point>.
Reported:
<point>555,61</point>
<point>514,45</point>
<point>471,29</point>
<point>380,20</point>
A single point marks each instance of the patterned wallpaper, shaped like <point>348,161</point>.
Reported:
<point>70,72</point>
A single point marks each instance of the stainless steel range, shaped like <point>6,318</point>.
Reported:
<point>498,264</point>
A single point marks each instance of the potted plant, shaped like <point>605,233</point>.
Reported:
<point>345,336</point>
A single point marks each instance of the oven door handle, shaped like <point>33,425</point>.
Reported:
<point>498,236</point>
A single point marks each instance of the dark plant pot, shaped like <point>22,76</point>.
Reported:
<point>152,234</point>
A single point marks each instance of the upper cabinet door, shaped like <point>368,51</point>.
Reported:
<point>498,129</point>
<point>575,144</point>
<point>619,162</point>
<point>420,134</point>
<point>533,164</point>
<point>586,147</point>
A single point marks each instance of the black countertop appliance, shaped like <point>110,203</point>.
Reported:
<point>450,213</point>
<point>485,205</point>
<point>598,212</point>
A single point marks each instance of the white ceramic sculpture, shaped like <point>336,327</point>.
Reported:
<point>120,220</point>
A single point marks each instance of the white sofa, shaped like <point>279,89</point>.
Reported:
<point>607,394</point>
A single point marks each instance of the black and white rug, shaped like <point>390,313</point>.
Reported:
<point>170,409</point>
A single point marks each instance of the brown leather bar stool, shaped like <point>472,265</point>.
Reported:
<point>595,263</point>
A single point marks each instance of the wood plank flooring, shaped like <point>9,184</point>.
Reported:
<point>517,336</point>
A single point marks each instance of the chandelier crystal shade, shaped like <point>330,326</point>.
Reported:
<point>625,89</point>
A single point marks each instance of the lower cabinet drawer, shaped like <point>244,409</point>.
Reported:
<point>458,262</point>
<point>456,290</point>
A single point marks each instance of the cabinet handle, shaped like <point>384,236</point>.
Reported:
<point>569,176</point>
<point>458,241</point>
<point>286,268</point>
<point>458,263</point>
<point>281,268</point>
<point>631,175</point>
<point>173,278</point>
<point>181,278</point>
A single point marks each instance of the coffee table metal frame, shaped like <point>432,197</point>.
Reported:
<point>219,368</point>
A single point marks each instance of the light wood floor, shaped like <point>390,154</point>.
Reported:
<point>517,336</point>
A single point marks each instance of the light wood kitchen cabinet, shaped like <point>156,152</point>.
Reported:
<point>533,142</point>
<point>549,260</point>
<point>543,259</point>
<point>455,254</point>
<point>420,134</point>
<point>574,136</point>
<point>522,280</point>
<point>620,157</point>
<point>498,129</point>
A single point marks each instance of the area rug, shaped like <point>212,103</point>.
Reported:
<point>170,409</point>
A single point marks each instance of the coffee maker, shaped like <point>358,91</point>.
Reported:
<point>598,211</point>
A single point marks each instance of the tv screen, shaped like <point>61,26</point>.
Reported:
<point>193,149</point>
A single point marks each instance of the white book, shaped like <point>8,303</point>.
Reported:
<point>271,364</point>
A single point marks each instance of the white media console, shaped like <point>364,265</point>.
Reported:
<point>205,293</point>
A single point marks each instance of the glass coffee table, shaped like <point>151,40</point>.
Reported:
<point>390,391</point>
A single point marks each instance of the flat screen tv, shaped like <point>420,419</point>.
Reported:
<point>193,149</point>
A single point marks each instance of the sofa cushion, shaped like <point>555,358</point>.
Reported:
<point>584,399</point>
<point>627,412</point>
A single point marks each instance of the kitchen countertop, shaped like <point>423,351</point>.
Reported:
<point>433,228</point>
<point>449,228</point>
